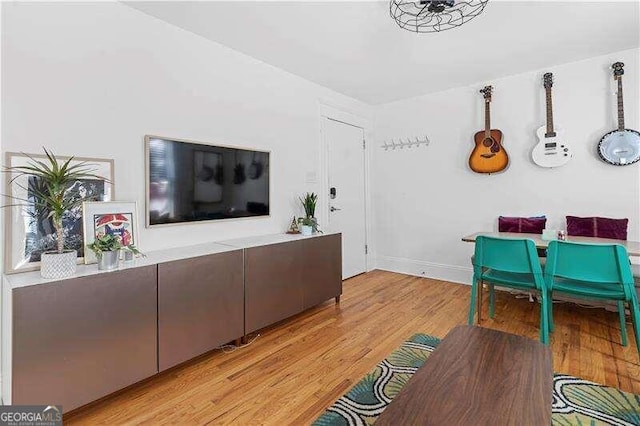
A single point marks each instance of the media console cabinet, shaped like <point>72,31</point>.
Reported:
<point>69,342</point>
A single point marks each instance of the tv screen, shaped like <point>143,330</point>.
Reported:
<point>191,181</point>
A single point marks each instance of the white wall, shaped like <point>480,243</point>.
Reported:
<point>426,199</point>
<point>91,79</point>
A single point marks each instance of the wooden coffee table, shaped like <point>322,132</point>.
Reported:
<point>478,376</point>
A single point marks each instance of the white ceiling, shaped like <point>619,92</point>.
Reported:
<point>356,48</point>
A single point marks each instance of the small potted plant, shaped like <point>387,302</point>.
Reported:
<point>53,197</point>
<point>309,222</point>
<point>107,249</point>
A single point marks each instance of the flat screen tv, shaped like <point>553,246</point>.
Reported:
<point>191,181</point>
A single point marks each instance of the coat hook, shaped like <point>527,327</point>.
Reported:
<point>408,142</point>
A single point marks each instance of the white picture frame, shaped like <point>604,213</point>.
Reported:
<point>116,217</point>
<point>27,236</point>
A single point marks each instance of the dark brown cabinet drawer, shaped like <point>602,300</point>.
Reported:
<point>200,306</point>
<point>77,340</point>
<point>273,283</point>
<point>322,269</point>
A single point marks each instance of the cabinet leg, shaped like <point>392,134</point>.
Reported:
<point>337,299</point>
<point>237,342</point>
<point>244,339</point>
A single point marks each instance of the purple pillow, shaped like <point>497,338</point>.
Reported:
<point>601,227</point>
<point>526,225</point>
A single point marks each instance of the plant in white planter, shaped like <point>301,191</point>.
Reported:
<point>53,195</point>
<point>309,222</point>
<point>107,249</point>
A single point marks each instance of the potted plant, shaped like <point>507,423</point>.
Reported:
<point>53,197</point>
<point>309,222</point>
<point>107,249</point>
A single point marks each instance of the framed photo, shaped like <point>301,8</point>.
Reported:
<point>119,218</point>
<point>29,231</point>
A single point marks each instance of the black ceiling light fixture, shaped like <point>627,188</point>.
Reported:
<point>432,16</point>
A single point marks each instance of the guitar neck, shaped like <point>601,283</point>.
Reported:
<point>487,119</point>
<point>550,131</point>
<point>620,105</point>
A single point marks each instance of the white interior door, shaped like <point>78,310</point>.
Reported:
<point>346,178</point>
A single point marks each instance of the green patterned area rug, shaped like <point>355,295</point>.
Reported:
<point>575,401</point>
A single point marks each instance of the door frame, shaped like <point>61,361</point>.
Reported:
<point>332,113</point>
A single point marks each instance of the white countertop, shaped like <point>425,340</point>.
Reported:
<point>265,240</point>
<point>162,256</point>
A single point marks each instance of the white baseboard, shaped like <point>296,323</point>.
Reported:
<point>457,274</point>
<point>421,268</point>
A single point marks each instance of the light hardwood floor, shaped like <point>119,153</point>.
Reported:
<point>297,368</point>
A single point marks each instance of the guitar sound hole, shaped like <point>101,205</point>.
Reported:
<point>488,142</point>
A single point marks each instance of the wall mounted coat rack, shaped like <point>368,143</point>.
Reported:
<point>409,142</point>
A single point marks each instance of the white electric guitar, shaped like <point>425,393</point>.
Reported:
<point>551,150</point>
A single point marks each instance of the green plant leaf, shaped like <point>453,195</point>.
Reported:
<point>52,178</point>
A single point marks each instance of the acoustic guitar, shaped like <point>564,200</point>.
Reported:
<point>488,156</point>
<point>620,147</point>
<point>552,150</point>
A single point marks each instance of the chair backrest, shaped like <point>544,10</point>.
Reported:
<point>507,254</point>
<point>605,265</point>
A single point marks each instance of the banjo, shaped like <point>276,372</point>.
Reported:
<point>620,147</point>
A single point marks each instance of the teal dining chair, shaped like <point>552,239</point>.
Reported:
<point>594,271</point>
<point>509,263</point>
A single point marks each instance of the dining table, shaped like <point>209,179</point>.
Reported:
<point>632,247</point>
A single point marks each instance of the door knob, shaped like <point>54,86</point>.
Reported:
<point>333,209</point>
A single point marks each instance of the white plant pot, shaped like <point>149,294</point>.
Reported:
<point>306,230</point>
<point>54,265</point>
<point>108,260</point>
